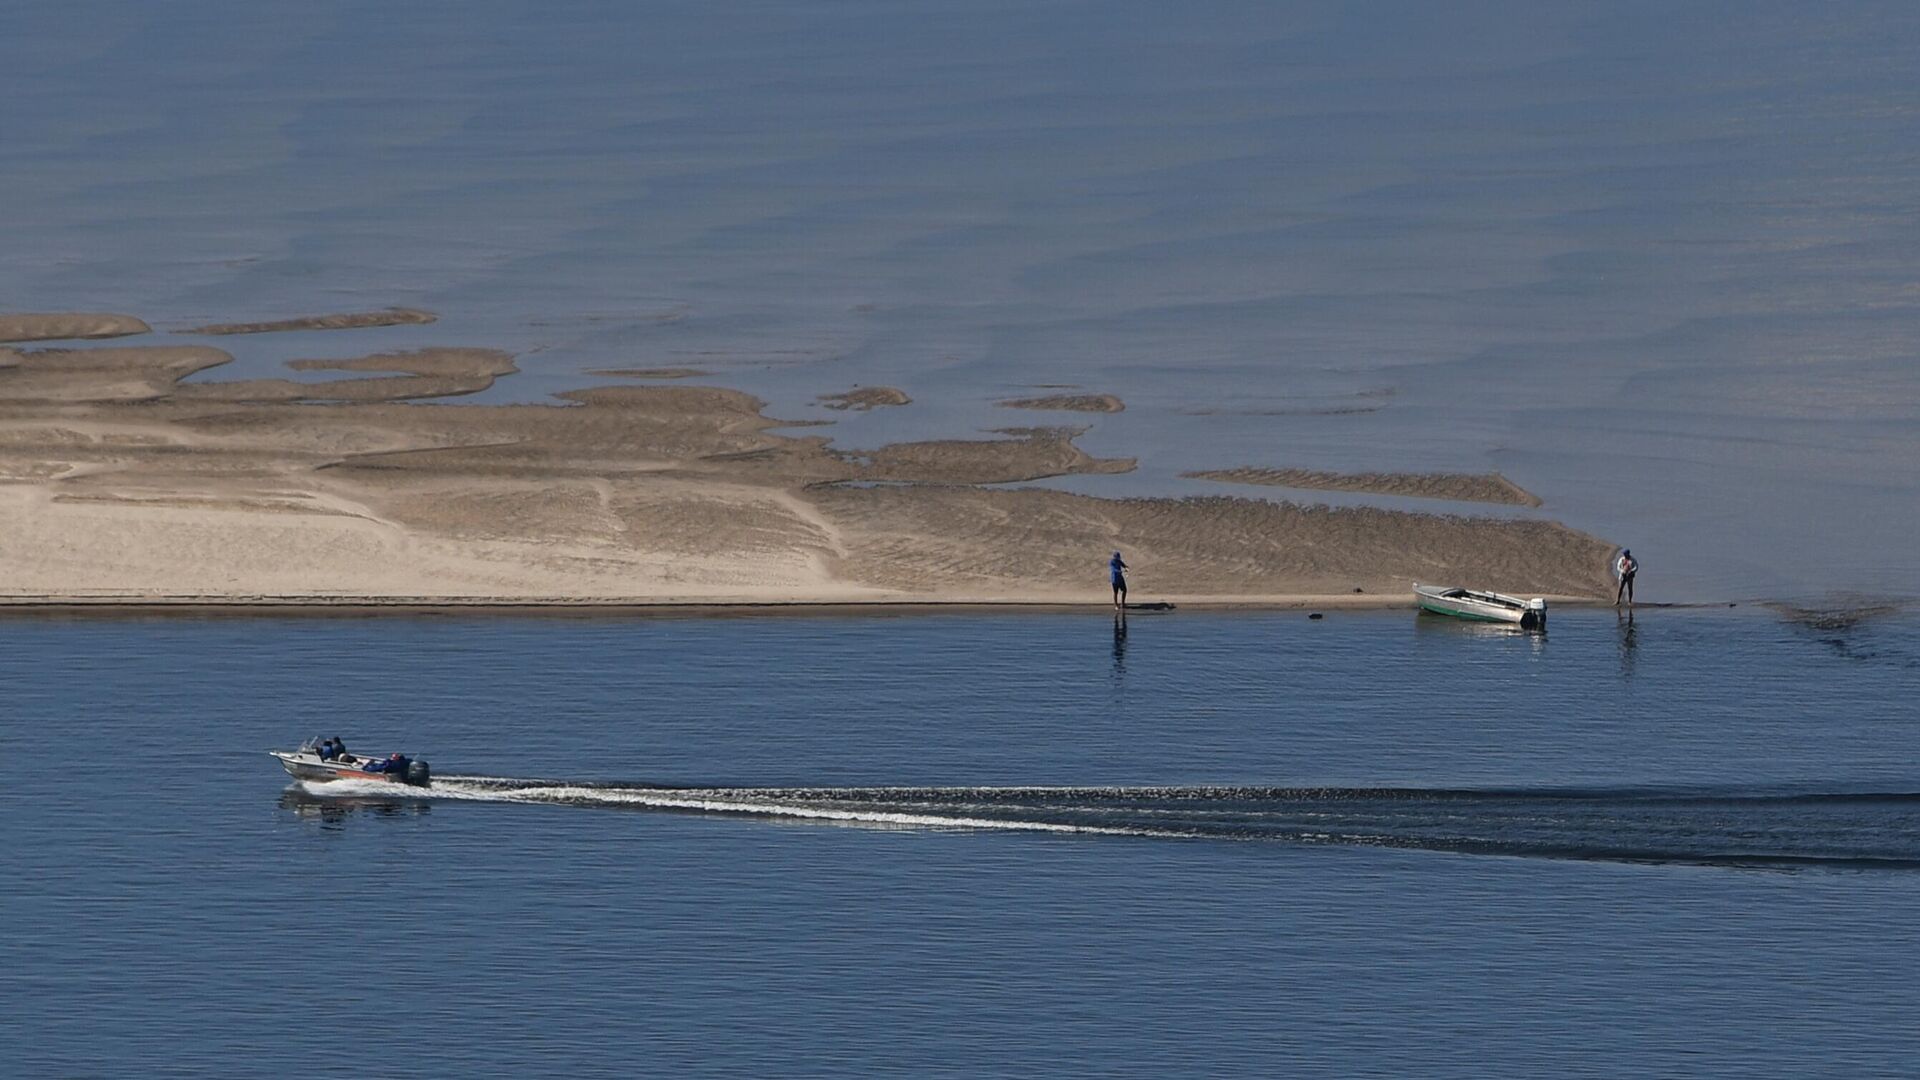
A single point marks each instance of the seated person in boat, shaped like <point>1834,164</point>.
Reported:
<point>394,763</point>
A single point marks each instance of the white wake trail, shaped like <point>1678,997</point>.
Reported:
<point>505,789</point>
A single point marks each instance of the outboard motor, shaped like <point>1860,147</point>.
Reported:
<point>1535,617</point>
<point>418,774</point>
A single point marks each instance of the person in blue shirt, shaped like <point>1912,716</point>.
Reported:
<point>1116,568</point>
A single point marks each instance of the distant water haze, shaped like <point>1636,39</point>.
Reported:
<point>1654,263</point>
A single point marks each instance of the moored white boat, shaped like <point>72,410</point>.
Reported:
<point>1481,606</point>
<point>307,764</point>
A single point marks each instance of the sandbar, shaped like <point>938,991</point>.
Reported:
<point>864,398</point>
<point>1099,403</point>
<point>121,484</point>
<point>651,373</point>
<point>347,321</point>
<point>1458,487</point>
<point>68,325</point>
<point>420,374</point>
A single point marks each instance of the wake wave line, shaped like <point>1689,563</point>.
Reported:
<point>1781,829</point>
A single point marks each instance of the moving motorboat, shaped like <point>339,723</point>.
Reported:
<point>1482,606</point>
<point>319,762</point>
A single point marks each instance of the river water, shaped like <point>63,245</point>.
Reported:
<point>1043,844</point>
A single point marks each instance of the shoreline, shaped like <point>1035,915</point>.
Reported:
<point>123,484</point>
<point>631,607</point>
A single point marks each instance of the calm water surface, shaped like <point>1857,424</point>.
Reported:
<point>958,845</point>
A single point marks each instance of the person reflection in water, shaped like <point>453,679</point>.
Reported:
<point>1628,643</point>
<point>1119,643</point>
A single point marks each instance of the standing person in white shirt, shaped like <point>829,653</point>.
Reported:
<point>1624,568</point>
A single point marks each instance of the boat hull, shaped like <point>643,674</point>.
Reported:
<point>311,768</point>
<point>1470,616</point>
<point>1482,607</point>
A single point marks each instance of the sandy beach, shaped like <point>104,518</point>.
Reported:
<point>122,483</point>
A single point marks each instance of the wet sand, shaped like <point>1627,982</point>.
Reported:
<point>1459,487</point>
<point>650,373</point>
<point>865,398</point>
<point>427,373</point>
<point>1096,403</point>
<point>68,325</point>
<point>122,484</point>
<point>348,321</point>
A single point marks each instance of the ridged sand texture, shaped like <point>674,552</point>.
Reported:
<point>123,481</point>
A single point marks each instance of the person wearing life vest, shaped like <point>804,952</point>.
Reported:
<point>1624,568</point>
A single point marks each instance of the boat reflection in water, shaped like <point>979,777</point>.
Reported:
<point>333,809</point>
<point>1440,628</point>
